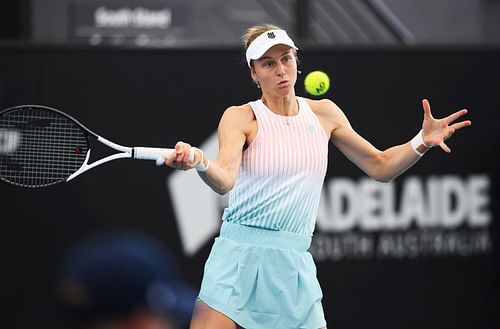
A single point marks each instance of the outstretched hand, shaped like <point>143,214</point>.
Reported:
<point>437,131</point>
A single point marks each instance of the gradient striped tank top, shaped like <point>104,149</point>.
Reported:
<point>282,172</point>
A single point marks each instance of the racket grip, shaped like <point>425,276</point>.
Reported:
<point>150,153</point>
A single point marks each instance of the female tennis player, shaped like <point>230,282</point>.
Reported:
<point>273,159</point>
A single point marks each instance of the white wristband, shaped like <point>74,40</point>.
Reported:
<point>201,166</point>
<point>418,145</point>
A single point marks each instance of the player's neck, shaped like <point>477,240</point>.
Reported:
<point>286,106</point>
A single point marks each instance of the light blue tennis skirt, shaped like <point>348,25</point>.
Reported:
<point>263,279</point>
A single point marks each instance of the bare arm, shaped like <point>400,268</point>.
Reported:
<point>222,172</point>
<point>390,163</point>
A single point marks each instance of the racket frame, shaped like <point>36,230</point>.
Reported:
<point>126,152</point>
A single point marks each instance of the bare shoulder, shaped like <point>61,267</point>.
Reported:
<point>238,116</point>
<point>323,107</point>
<point>241,112</point>
<point>327,111</point>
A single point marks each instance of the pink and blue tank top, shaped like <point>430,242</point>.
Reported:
<point>282,172</point>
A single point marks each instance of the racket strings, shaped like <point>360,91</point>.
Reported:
<point>41,147</point>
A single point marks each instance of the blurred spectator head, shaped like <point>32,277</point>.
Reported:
<point>123,278</point>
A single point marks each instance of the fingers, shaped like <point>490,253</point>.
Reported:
<point>460,125</point>
<point>427,108</point>
<point>452,117</point>
<point>181,157</point>
<point>442,129</point>
<point>449,131</point>
<point>444,147</point>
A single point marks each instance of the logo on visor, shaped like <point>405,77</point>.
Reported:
<point>271,35</point>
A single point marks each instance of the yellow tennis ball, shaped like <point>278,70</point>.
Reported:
<point>317,83</point>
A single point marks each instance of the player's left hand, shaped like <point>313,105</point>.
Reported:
<point>436,131</point>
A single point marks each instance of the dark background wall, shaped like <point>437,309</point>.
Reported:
<point>420,252</point>
<point>156,97</point>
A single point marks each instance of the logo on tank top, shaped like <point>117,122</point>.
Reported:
<point>310,127</point>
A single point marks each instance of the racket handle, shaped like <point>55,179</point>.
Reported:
<point>150,153</point>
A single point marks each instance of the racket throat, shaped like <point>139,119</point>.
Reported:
<point>86,166</point>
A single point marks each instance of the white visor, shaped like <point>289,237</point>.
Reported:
<point>265,41</point>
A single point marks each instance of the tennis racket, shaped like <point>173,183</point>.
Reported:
<point>41,146</point>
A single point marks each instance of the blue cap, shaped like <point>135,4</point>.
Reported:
<point>113,274</point>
